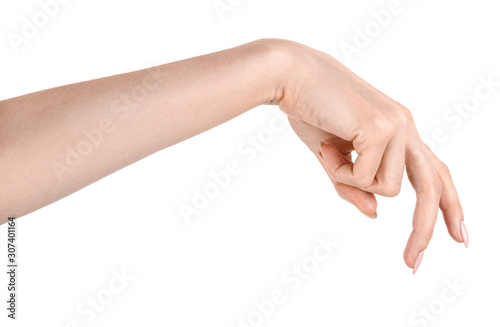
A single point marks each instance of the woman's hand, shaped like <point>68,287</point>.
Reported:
<point>68,137</point>
<point>335,112</point>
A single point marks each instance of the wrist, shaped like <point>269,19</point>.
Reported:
<point>277,57</point>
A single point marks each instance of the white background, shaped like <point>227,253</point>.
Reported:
<point>209,272</point>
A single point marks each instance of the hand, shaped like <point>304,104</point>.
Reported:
<point>335,112</point>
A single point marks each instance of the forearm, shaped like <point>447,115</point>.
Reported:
<point>54,142</point>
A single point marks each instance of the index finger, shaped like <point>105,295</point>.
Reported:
<point>362,173</point>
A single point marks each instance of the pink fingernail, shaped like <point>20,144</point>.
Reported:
<point>418,261</point>
<point>465,234</point>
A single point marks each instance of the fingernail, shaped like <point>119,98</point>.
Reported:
<point>465,234</point>
<point>418,261</point>
<point>373,215</point>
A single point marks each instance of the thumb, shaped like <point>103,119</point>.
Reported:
<point>331,158</point>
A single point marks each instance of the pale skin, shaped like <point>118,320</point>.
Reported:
<point>332,110</point>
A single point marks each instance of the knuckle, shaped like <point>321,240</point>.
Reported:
<point>384,127</point>
<point>434,188</point>
<point>444,168</point>
<point>392,190</point>
<point>427,235</point>
<point>408,114</point>
<point>364,181</point>
<point>424,233</point>
<point>400,117</point>
<point>391,182</point>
